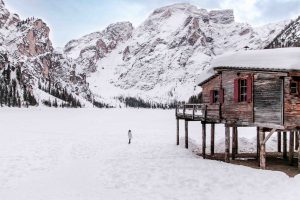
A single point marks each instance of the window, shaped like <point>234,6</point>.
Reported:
<point>216,96</point>
<point>294,88</point>
<point>243,90</point>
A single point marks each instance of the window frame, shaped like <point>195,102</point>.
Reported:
<point>216,96</point>
<point>243,93</point>
<point>296,87</point>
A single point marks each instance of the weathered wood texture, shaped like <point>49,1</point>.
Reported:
<point>268,89</point>
<point>257,143</point>
<point>227,144</point>
<point>291,149</point>
<point>177,131</point>
<point>291,105</point>
<point>186,134</point>
<point>296,140</point>
<point>212,139</point>
<point>241,111</point>
<point>279,141</point>
<point>234,142</point>
<point>299,151</point>
<point>284,146</point>
<point>204,140</point>
<point>262,159</point>
<point>213,110</point>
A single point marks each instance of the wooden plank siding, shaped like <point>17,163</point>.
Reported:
<point>268,91</point>
<point>291,104</point>
<point>240,112</point>
<point>213,109</point>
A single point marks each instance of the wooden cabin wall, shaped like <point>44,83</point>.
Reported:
<point>213,110</point>
<point>242,111</point>
<point>268,97</point>
<point>291,105</point>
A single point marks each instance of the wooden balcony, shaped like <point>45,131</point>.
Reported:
<point>198,112</point>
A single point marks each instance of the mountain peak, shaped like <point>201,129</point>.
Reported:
<point>2,4</point>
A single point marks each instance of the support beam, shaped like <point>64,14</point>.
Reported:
<point>284,141</point>
<point>186,134</point>
<point>234,142</point>
<point>296,140</point>
<point>291,149</point>
<point>279,141</point>
<point>262,159</point>
<point>237,140</point>
<point>269,135</point>
<point>298,151</point>
<point>257,143</point>
<point>203,140</point>
<point>212,139</point>
<point>177,131</point>
<point>227,144</point>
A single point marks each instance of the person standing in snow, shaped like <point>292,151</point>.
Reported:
<point>129,136</point>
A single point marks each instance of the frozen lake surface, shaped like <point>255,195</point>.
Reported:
<point>56,154</point>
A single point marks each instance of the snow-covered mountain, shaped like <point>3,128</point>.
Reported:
<point>158,61</point>
<point>288,37</point>
<point>161,59</point>
<point>27,46</point>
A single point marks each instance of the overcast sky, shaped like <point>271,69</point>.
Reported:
<point>70,19</point>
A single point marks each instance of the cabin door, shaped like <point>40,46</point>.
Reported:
<point>268,99</point>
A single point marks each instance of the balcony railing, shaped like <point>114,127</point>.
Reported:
<point>191,111</point>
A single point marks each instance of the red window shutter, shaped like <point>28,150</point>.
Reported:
<point>249,89</point>
<point>211,97</point>
<point>221,95</point>
<point>236,90</point>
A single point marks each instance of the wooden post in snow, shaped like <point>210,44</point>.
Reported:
<point>237,140</point>
<point>203,140</point>
<point>296,140</point>
<point>212,139</point>
<point>177,131</point>
<point>291,149</point>
<point>299,151</point>
<point>234,143</point>
<point>279,141</point>
<point>284,141</point>
<point>262,157</point>
<point>257,144</point>
<point>186,134</point>
<point>227,144</point>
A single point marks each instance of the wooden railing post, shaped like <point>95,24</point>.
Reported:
<point>262,159</point>
<point>177,131</point>
<point>184,110</point>
<point>227,143</point>
<point>284,141</point>
<point>291,152</point>
<point>193,112</point>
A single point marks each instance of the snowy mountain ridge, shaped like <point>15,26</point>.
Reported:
<point>163,57</point>
<point>158,61</point>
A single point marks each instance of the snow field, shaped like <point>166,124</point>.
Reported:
<point>66,154</point>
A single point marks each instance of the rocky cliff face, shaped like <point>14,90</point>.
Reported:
<point>27,46</point>
<point>89,49</point>
<point>288,37</point>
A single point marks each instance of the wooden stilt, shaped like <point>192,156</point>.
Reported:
<point>296,140</point>
<point>234,143</point>
<point>237,140</point>
<point>203,140</point>
<point>279,141</point>
<point>262,159</point>
<point>227,144</point>
<point>177,131</point>
<point>298,151</point>
<point>284,141</point>
<point>291,149</point>
<point>186,134</point>
<point>257,143</point>
<point>212,139</point>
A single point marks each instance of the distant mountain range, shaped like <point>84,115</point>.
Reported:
<point>156,62</point>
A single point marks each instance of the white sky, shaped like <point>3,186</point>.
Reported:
<point>70,19</point>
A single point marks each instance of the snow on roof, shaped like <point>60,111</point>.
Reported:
<point>206,75</point>
<point>275,59</point>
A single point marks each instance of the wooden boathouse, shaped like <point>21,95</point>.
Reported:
<point>257,88</point>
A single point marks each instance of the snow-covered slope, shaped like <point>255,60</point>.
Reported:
<point>165,54</point>
<point>288,37</point>
<point>27,45</point>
